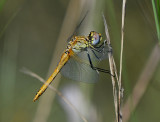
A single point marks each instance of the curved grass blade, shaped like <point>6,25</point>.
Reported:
<point>30,73</point>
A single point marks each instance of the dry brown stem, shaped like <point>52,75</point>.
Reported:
<point>120,90</point>
<point>113,69</point>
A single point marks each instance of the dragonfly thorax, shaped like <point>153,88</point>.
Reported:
<point>78,44</point>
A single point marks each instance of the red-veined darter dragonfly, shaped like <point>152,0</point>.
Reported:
<point>76,60</point>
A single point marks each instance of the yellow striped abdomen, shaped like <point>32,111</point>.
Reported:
<point>64,58</point>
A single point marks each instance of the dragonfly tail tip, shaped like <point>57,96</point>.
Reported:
<point>35,98</point>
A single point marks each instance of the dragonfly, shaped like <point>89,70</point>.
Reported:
<point>76,61</point>
<point>79,49</point>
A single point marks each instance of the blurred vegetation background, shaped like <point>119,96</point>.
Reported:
<point>33,34</point>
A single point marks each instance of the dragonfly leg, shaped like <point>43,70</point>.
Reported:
<point>95,55</point>
<point>101,50</point>
<point>96,68</point>
<point>95,49</point>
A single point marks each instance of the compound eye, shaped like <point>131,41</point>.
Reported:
<point>95,39</point>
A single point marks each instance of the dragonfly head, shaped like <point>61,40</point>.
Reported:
<point>95,38</point>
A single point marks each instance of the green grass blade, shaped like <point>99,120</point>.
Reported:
<point>2,2</point>
<point>156,18</point>
<point>158,10</point>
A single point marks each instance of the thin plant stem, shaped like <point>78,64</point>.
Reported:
<point>120,93</point>
<point>111,64</point>
<point>113,69</point>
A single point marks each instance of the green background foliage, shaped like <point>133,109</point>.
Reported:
<point>29,30</point>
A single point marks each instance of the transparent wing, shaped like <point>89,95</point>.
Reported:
<point>76,29</point>
<point>78,69</point>
<point>95,55</point>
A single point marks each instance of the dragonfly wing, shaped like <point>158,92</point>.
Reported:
<point>103,54</point>
<point>78,67</point>
<point>79,71</point>
<point>75,31</point>
<point>95,56</point>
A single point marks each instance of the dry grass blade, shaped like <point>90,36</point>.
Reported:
<point>122,41</point>
<point>30,73</point>
<point>120,92</point>
<point>112,70</point>
<point>142,83</point>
